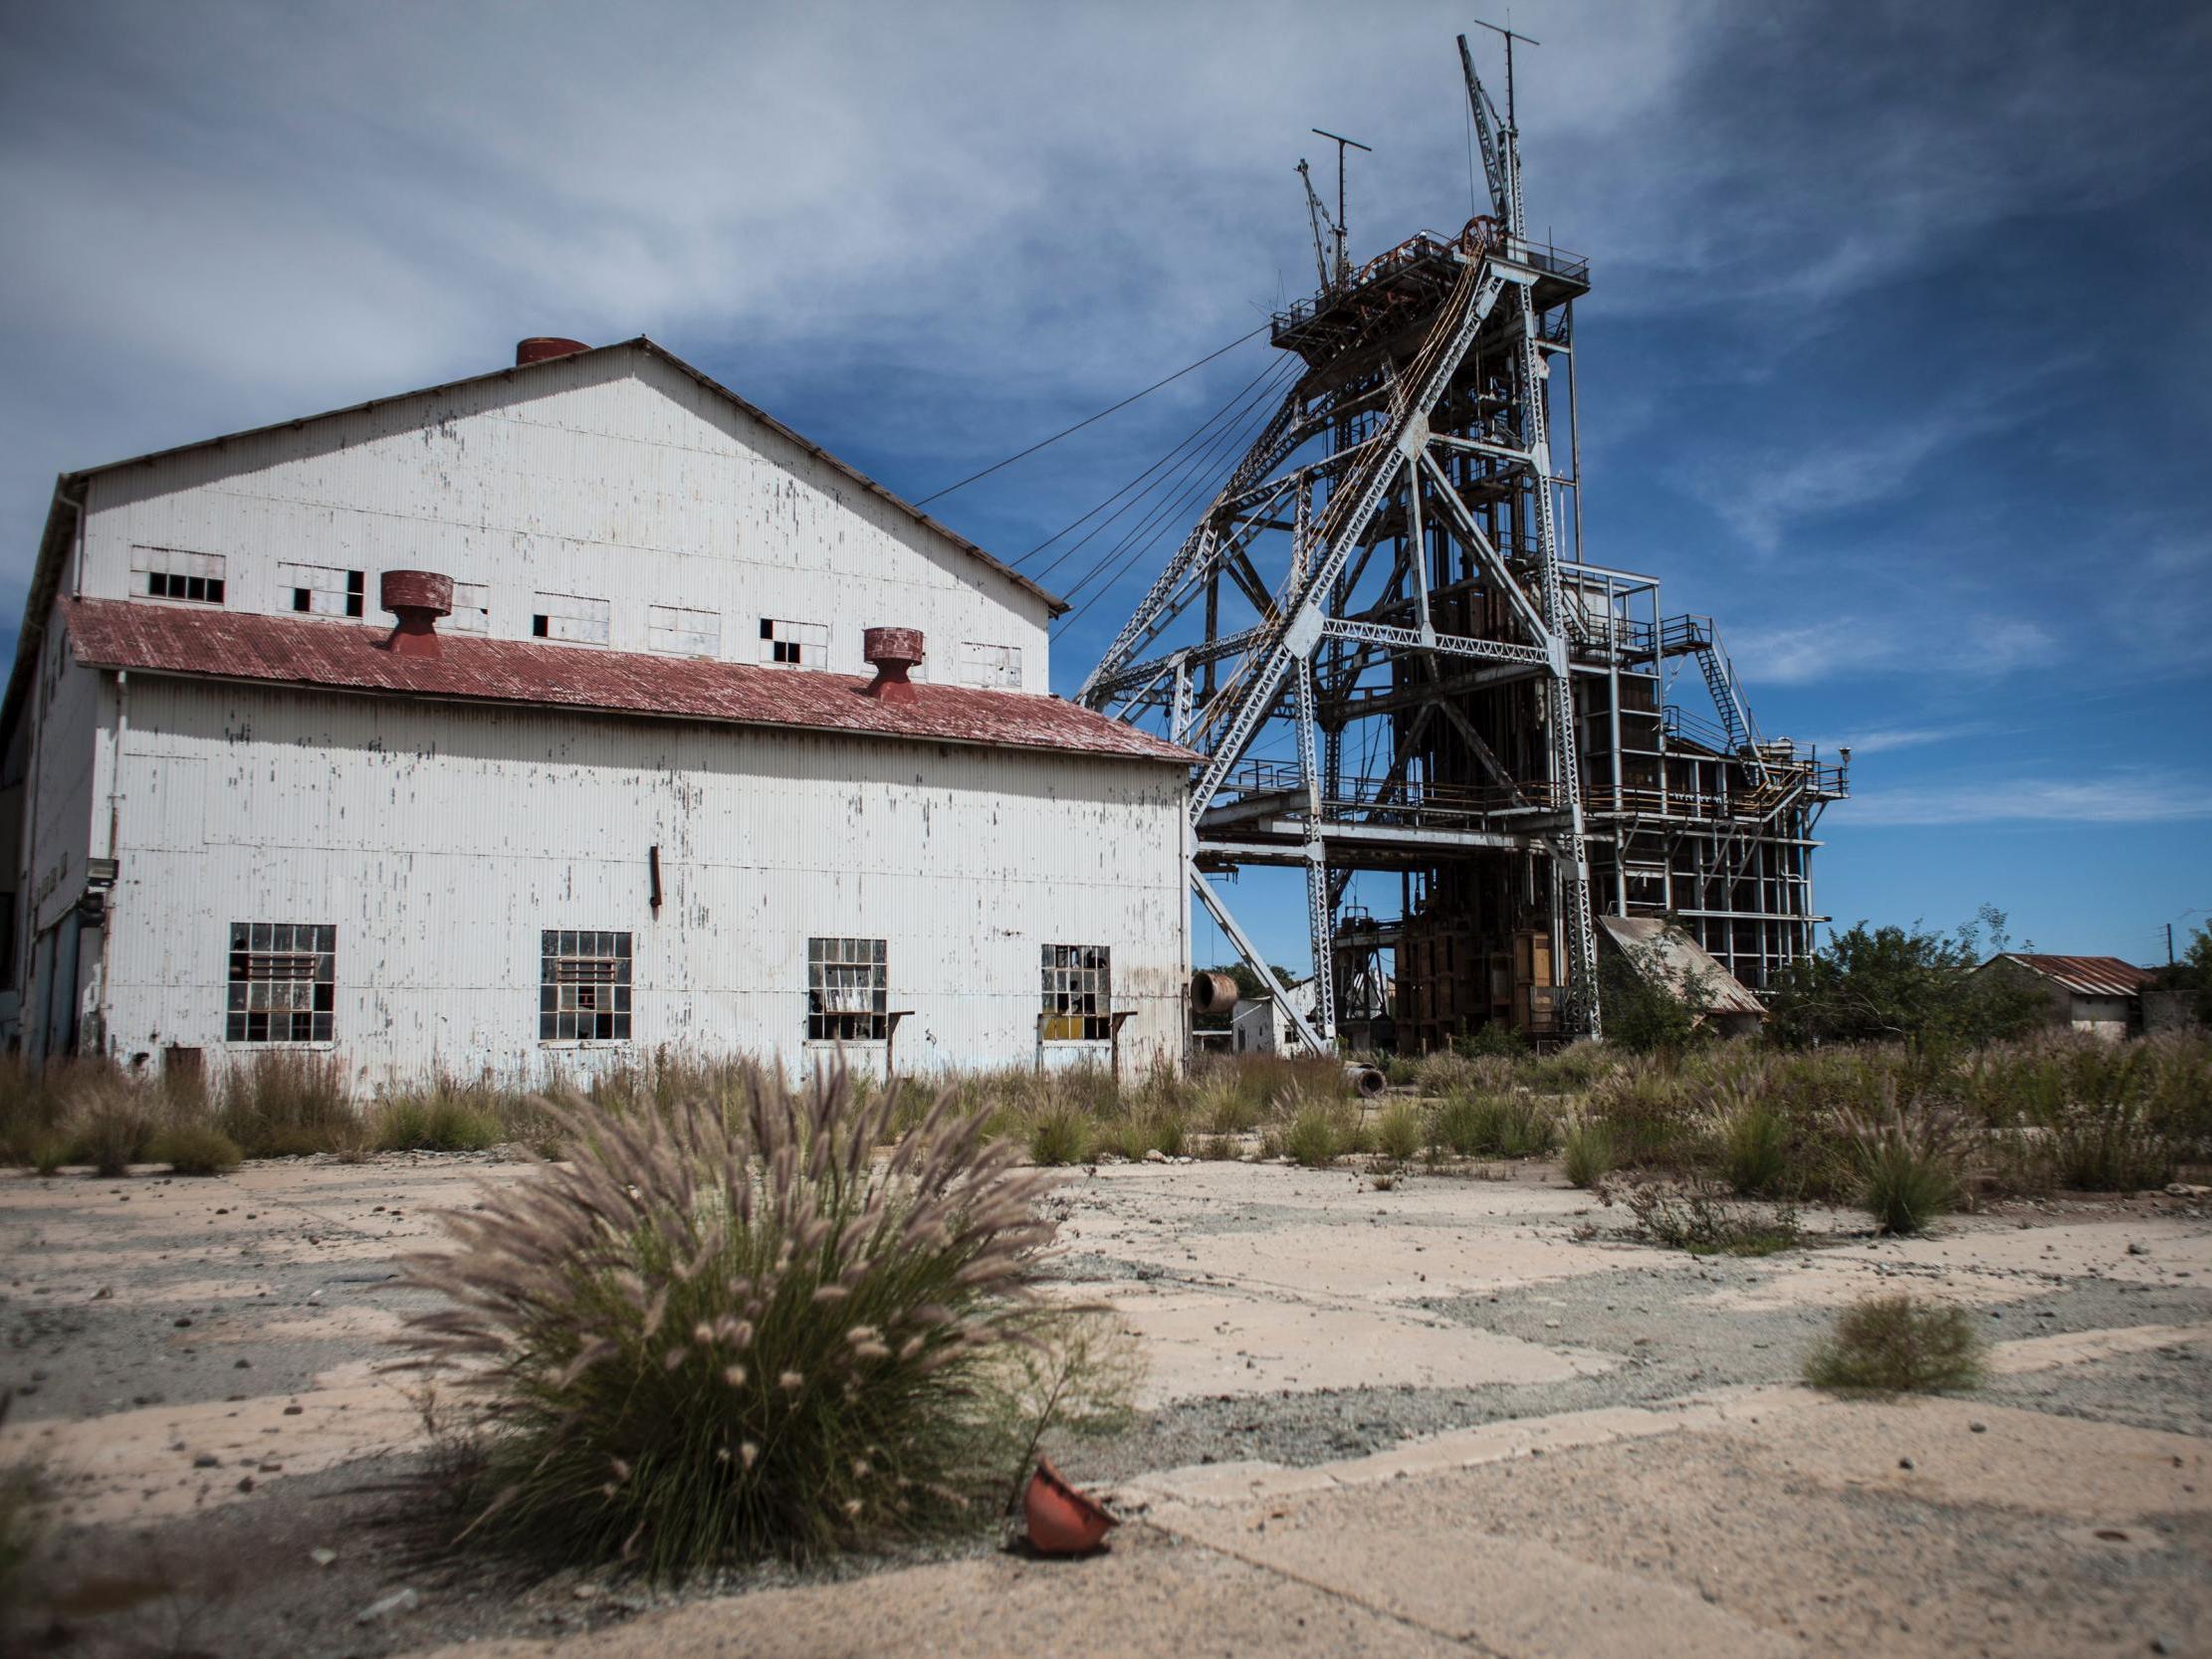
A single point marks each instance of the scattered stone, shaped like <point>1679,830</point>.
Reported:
<point>243,1365</point>
<point>245,1483</point>
<point>322,1558</point>
<point>294,1410</point>
<point>1156,1156</point>
<point>585,1592</point>
<point>2138,1250</point>
<point>106,1293</point>
<point>1905,1463</point>
<point>181,1323</point>
<point>403,1600</point>
<point>1977,1429</point>
<point>207,1460</point>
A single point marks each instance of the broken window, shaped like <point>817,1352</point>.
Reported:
<point>568,616</point>
<point>173,573</point>
<point>323,591</point>
<point>283,982</point>
<point>794,644</point>
<point>583,990</point>
<point>995,667</point>
<point>1078,993</point>
<point>472,608</point>
<point>683,633</point>
<point>847,993</point>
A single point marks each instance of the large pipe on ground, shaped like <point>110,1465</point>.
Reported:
<point>1364,1081</point>
<point>1213,993</point>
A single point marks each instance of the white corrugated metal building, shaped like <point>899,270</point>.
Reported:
<point>635,789</point>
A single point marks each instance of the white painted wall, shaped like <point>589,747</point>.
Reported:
<point>611,477</point>
<point>440,838</point>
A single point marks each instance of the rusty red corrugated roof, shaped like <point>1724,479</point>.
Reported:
<point>340,656</point>
<point>2086,975</point>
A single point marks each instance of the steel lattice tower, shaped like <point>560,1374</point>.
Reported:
<point>1383,575</point>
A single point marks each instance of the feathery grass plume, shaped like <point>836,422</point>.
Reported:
<point>1701,1216</point>
<point>717,1335</point>
<point>1898,1344</point>
<point>1908,1161</point>
<point>1754,1138</point>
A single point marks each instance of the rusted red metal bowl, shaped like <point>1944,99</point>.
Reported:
<point>1062,1521</point>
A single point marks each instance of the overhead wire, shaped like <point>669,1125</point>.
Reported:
<point>1092,420</point>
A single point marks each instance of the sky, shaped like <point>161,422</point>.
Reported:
<point>1896,360</point>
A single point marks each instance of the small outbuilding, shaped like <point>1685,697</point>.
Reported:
<point>1677,964</point>
<point>2101,996</point>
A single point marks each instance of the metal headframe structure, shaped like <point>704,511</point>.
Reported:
<point>1377,642</point>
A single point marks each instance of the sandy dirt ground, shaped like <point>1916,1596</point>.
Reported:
<point>1465,1415</point>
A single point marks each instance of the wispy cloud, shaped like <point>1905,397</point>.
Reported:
<point>2122,795</point>
<point>1884,739</point>
<point>1975,645</point>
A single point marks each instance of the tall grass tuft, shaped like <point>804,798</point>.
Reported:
<point>1063,1132</point>
<point>195,1149</point>
<point>715,1335</point>
<point>1909,1164</point>
<point>1399,1133</point>
<point>287,1102</point>
<point>1319,1132</point>
<point>114,1125</point>
<point>1588,1154</point>
<point>1898,1344</point>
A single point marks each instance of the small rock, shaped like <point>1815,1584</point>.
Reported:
<point>403,1600</point>
<point>243,1365</point>
<point>106,1293</point>
<point>294,1410</point>
<point>2162,1644</point>
<point>1156,1156</point>
<point>245,1483</point>
<point>181,1323</point>
<point>322,1558</point>
<point>2138,1250</point>
<point>1977,1429</point>
<point>1905,1463</point>
<point>207,1460</point>
<point>585,1592</point>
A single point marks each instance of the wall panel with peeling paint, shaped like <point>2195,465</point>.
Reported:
<point>440,839</point>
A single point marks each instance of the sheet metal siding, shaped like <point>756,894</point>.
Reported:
<point>441,839</point>
<point>2089,976</point>
<point>614,477</point>
<point>67,782</point>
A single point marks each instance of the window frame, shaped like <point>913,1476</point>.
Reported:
<point>1076,988</point>
<point>563,955</point>
<point>840,1024</point>
<point>210,570</point>
<point>807,648</point>
<point>272,943</point>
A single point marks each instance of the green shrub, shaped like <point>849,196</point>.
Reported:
<point>720,1335</point>
<point>1061,1134</point>
<point>1399,1132</point>
<point>1500,1041</point>
<point>1898,1344</point>
<point>1580,1065</point>
<point>195,1149</point>
<point>1466,1124</point>
<point>285,1103</point>
<point>1651,1114</point>
<point>1443,1073</point>
<point>1526,1129</point>
<point>2111,1147</point>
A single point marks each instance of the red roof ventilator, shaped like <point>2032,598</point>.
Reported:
<point>418,598</point>
<point>892,652</point>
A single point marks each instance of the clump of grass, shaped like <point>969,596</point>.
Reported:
<point>1908,1165</point>
<point>1899,1345</point>
<point>48,1154</point>
<point>195,1149</point>
<point>1754,1144</point>
<point>1701,1217</point>
<point>285,1103</point>
<point>1588,1154</point>
<point>1318,1134</point>
<point>1478,1126</point>
<point>1063,1132</point>
<point>714,1336</point>
<point>1652,1115</point>
<point>2107,1146</point>
<point>442,1119</point>
<point>1218,1149</point>
<point>115,1128</point>
<point>1399,1133</point>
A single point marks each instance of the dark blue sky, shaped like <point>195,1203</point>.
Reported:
<point>1896,360</point>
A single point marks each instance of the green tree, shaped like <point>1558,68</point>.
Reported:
<point>1889,984</point>
<point>1645,1010</point>
<point>2192,974</point>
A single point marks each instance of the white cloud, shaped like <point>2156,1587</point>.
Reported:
<point>1928,641</point>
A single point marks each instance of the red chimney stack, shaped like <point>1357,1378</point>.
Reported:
<point>418,598</point>
<point>892,652</point>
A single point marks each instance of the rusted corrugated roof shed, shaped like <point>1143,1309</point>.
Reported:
<point>338,655</point>
<point>2084,975</point>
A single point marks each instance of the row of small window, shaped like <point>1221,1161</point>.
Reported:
<point>673,630</point>
<point>284,985</point>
